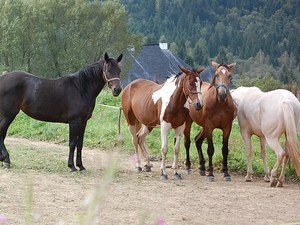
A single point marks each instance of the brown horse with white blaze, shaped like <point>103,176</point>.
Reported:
<point>218,112</point>
<point>147,105</point>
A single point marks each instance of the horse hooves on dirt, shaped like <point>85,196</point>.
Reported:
<point>227,178</point>
<point>273,182</point>
<point>73,170</point>
<point>279,184</point>
<point>164,177</point>
<point>138,169</point>
<point>147,168</point>
<point>177,176</point>
<point>202,172</point>
<point>6,165</point>
<point>211,178</point>
<point>188,171</point>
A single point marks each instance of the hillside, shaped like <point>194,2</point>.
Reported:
<point>261,33</point>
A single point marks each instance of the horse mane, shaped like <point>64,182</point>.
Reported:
<point>90,74</point>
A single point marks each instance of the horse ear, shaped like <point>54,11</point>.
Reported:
<point>232,65</point>
<point>200,70</point>
<point>215,65</point>
<point>120,58</point>
<point>106,57</point>
<point>184,70</point>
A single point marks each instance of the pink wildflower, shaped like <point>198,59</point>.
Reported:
<point>3,219</point>
<point>161,221</point>
<point>135,158</point>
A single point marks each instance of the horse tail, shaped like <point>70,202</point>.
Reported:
<point>291,134</point>
<point>120,136</point>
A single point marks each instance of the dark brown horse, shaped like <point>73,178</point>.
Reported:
<point>147,104</point>
<point>69,99</point>
<point>218,112</point>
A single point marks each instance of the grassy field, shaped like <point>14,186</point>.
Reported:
<point>102,132</point>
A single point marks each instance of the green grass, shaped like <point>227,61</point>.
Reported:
<point>102,132</point>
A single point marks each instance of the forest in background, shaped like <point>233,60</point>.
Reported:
<point>54,37</point>
<point>51,38</point>
<point>261,36</point>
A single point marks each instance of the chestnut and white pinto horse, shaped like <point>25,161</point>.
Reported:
<point>269,115</point>
<point>147,105</point>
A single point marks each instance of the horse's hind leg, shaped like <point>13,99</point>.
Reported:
<point>132,129</point>
<point>274,144</point>
<point>141,136</point>
<point>199,140</point>
<point>249,152</point>
<point>74,130</point>
<point>263,154</point>
<point>281,178</point>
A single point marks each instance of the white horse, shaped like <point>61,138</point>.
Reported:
<point>269,115</point>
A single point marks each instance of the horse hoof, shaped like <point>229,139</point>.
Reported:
<point>6,165</point>
<point>73,169</point>
<point>82,168</point>
<point>279,184</point>
<point>177,176</point>
<point>267,179</point>
<point>227,178</point>
<point>211,178</point>
<point>138,169</point>
<point>164,177</point>
<point>273,182</point>
<point>248,179</point>
<point>189,172</point>
<point>202,172</point>
<point>147,168</point>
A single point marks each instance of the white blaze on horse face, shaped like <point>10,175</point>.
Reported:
<point>164,94</point>
<point>224,71</point>
<point>198,88</point>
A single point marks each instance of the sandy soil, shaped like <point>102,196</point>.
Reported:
<point>131,198</point>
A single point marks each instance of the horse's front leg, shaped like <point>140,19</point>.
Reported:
<point>210,153</point>
<point>79,147</point>
<point>187,144</point>
<point>199,141</point>
<point>165,127</point>
<point>73,139</point>
<point>178,134</point>
<point>225,151</point>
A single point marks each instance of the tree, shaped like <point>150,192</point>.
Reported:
<point>54,37</point>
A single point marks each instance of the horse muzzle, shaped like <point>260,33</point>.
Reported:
<point>222,98</point>
<point>198,105</point>
<point>116,91</point>
<point>222,90</point>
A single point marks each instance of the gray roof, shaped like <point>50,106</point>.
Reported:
<point>155,64</point>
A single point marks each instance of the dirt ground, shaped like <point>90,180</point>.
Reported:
<point>131,198</point>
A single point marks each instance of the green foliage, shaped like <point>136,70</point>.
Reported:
<point>265,83</point>
<point>51,38</point>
